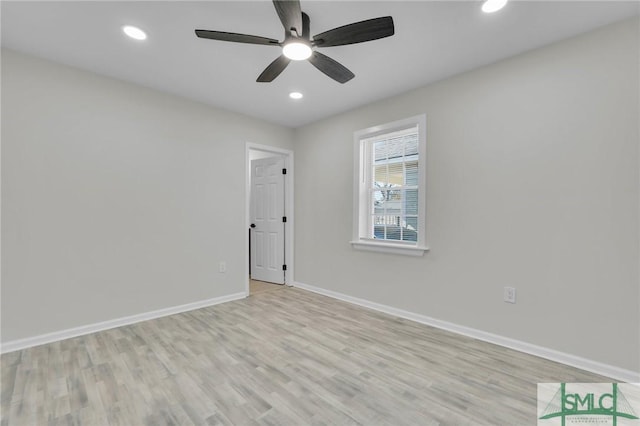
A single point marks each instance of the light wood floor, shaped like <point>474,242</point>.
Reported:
<point>256,287</point>
<point>279,357</point>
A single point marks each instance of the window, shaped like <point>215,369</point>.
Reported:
<point>389,206</point>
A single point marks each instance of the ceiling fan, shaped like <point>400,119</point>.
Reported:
<point>298,45</point>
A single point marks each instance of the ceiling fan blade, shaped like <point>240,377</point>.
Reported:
<point>290,15</point>
<point>333,69</point>
<point>238,38</point>
<point>306,26</point>
<point>274,69</point>
<point>358,32</point>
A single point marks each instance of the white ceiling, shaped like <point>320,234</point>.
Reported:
<point>433,40</point>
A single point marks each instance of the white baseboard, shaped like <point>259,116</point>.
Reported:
<point>15,345</point>
<point>611,371</point>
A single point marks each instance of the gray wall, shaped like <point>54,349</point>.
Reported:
<point>116,200</point>
<point>532,183</point>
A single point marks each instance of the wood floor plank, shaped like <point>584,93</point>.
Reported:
<point>283,356</point>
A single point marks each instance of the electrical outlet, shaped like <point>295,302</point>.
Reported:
<point>509,294</point>
<point>223,267</point>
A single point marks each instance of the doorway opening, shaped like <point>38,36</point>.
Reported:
<point>268,217</point>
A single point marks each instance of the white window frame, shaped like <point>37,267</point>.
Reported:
<point>362,184</point>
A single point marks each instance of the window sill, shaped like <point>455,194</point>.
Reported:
<point>391,248</point>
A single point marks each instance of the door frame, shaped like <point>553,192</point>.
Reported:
<point>287,155</point>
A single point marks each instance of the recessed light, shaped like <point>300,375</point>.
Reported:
<point>297,51</point>
<point>295,95</point>
<point>491,6</point>
<point>134,32</point>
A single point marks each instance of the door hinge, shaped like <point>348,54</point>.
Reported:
<point>284,219</point>
<point>284,171</point>
<point>284,267</point>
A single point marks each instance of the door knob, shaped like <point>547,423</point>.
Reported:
<point>253,225</point>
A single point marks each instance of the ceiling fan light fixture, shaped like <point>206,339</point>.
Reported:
<point>297,51</point>
<point>134,32</point>
<point>490,6</point>
<point>301,45</point>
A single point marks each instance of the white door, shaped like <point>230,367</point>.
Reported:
<point>267,224</point>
